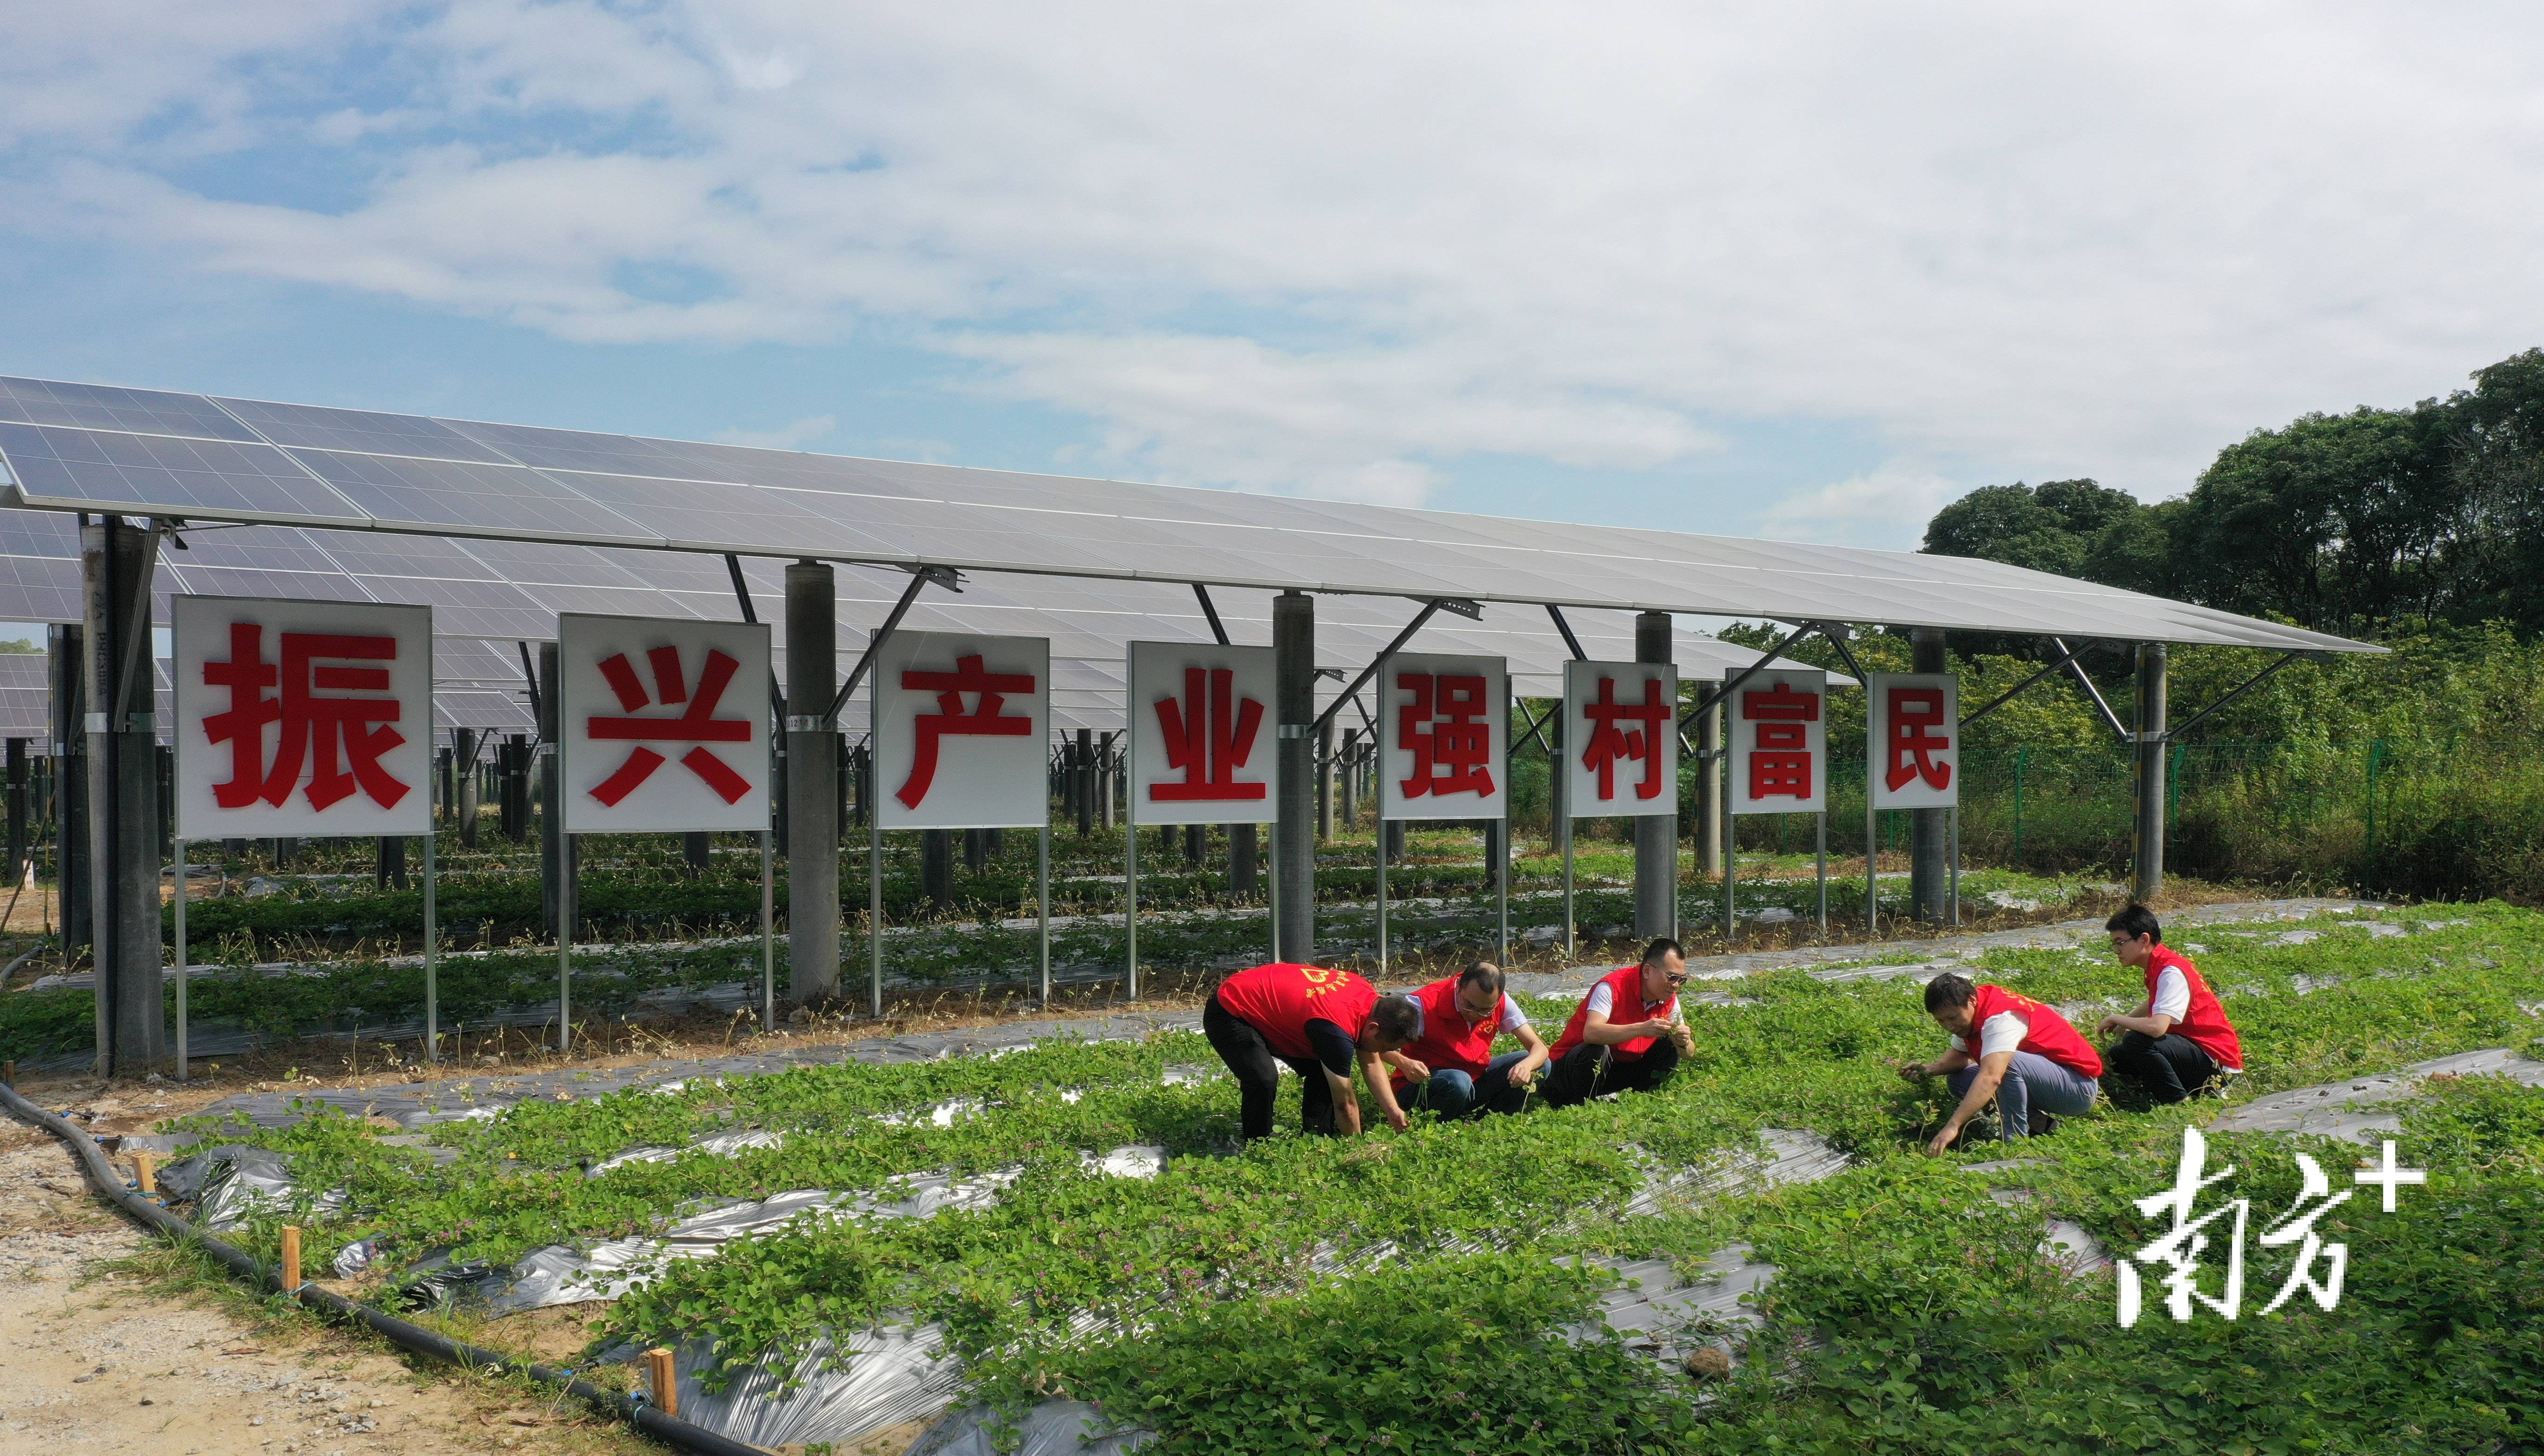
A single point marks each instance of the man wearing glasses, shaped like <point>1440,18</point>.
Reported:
<point>1626,1035</point>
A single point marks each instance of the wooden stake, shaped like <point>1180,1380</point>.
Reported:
<point>667,1386</point>
<point>144,1174</point>
<point>290,1258</point>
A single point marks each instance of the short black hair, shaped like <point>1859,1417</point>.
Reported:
<point>1482,973</point>
<point>1949,989</point>
<point>1396,1018</point>
<point>2135,920</point>
<point>1664,946</point>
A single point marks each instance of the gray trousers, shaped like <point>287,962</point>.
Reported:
<point>2032,1081</point>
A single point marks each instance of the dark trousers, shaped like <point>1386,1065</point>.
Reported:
<point>2167,1068</point>
<point>1453,1093</point>
<point>1258,1075</point>
<point>1587,1070</point>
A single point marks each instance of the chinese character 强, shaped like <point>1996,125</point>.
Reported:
<point>1208,736</point>
<point>984,720</point>
<point>1913,738</point>
<point>1444,726</point>
<point>1642,743</point>
<point>340,738</point>
<point>697,724</point>
<point>1780,763</point>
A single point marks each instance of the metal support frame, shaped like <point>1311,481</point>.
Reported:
<point>2109,719</point>
<point>2175,731</point>
<point>2064,657</point>
<point>918,580</point>
<point>1733,683</point>
<point>812,782</point>
<point>1351,692</point>
<point>1571,643</point>
<point>1210,610</point>
<point>118,563</point>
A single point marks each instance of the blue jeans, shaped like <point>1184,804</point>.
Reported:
<point>2034,1081</point>
<point>1453,1093</point>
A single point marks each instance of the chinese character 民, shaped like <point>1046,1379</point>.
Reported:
<point>1780,764</point>
<point>1609,742</point>
<point>1208,736</point>
<point>1444,726</point>
<point>316,729</point>
<point>1913,738</point>
<point>984,720</point>
<point>697,724</point>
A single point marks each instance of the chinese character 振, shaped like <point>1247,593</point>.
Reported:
<point>1208,736</point>
<point>984,721</point>
<point>696,725</point>
<point>1444,726</point>
<point>1640,744</point>
<point>340,738</point>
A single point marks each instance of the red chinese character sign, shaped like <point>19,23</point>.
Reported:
<point>1621,738</point>
<point>301,718</point>
<point>1444,737</point>
<point>1200,734</point>
<point>666,724</point>
<point>1915,734</point>
<point>962,731</point>
<point>1780,743</point>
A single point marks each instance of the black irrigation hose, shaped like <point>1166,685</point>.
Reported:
<point>102,1177</point>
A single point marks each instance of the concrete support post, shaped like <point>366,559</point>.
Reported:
<point>1657,834</point>
<point>2147,879</point>
<point>976,851</point>
<point>391,873</point>
<point>1293,830</point>
<point>1930,830</point>
<point>936,866</point>
<point>1196,844</point>
<point>1497,855</point>
<point>1106,779</point>
<point>1351,780</point>
<point>17,809</point>
<point>67,665</point>
<point>1706,831</point>
<point>116,561</point>
<point>463,747</point>
<point>694,852</point>
<point>1244,861</point>
<point>1326,781</point>
<point>1081,780</point>
<point>551,788</point>
<point>812,782</point>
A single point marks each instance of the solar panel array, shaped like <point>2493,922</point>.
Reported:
<point>86,447</point>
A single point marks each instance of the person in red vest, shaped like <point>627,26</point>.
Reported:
<point>2010,1048</point>
<point>1626,1035</point>
<point>1449,1067</point>
<point>2180,1037</point>
<point>1321,1022</point>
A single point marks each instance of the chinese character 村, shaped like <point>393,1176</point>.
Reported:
<point>341,738</point>
<point>984,720</point>
<point>1444,726</point>
<point>1639,744</point>
<point>1913,738</point>
<point>697,724</point>
<point>1780,763</point>
<point>1208,736</point>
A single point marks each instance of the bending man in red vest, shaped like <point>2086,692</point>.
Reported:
<point>1450,1066</point>
<point>2180,1037</point>
<point>1626,1035</point>
<point>1319,1021</point>
<point>2010,1048</point>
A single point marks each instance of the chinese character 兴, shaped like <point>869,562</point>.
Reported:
<point>1209,736</point>
<point>984,720</point>
<point>695,724</point>
<point>1780,763</point>
<point>325,723</point>
<point>1444,726</point>
<point>1609,741</point>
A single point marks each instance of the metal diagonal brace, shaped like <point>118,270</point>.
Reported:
<point>919,577</point>
<point>1538,728</point>
<point>2096,694</point>
<point>749,613</point>
<point>530,675</point>
<point>1210,610</point>
<point>1565,628</point>
<point>136,656</point>
<point>2255,681</point>
<point>2008,696</point>
<point>1704,706</point>
<point>1318,728</point>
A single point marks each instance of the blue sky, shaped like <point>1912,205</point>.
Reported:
<point>1806,272</point>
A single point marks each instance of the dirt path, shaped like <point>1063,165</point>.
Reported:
<point>108,1347</point>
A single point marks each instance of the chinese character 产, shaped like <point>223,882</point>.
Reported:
<point>984,720</point>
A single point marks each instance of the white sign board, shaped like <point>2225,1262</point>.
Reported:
<point>962,731</point>
<point>1444,737</point>
<point>301,718</point>
<point>1619,739</point>
<point>1779,722</point>
<point>1915,734</point>
<point>664,724</point>
<point>1200,734</point>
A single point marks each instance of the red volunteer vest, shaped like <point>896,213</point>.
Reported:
<point>1448,1041</point>
<point>1625,1006</point>
<point>1281,999</point>
<point>2206,1022</point>
<point>2050,1035</point>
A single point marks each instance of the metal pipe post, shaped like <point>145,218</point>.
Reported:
<point>1381,893</point>
<point>768,933</point>
<point>1559,797</point>
<point>1042,905</point>
<point>1131,904</point>
<point>811,788</point>
<point>1293,833</point>
<point>431,959</point>
<point>2147,881</point>
<point>874,908</point>
<point>177,855</point>
<point>1819,831</point>
<point>1657,834</point>
<point>1928,852</point>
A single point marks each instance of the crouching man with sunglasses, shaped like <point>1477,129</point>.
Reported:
<point>1626,1035</point>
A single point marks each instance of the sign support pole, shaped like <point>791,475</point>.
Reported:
<point>1272,906</point>
<point>1501,889</point>
<point>1872,866</point>
<point>1952,881</point>
<point>1131,900</point>
<point>1382,894</point>
<point>767,934</point>
<point>565,925</point>
<point>431,959</point>
<point>1731,871</point>
<point>1042,905</point>
<point>1819,826</point>
<point>874,908</point>
<point>180,848</point>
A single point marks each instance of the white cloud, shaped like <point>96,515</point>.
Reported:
<point>1885,508</point>
<point>1337,248</point>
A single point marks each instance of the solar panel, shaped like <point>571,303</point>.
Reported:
<point>159,476</point>
<point>103,407</point>
<point>320,427</point>
<point>466,497</point>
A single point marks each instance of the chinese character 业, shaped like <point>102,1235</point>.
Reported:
<point>984,721</point>
<point>697,724</point>
<point>1208,736</point>
<point>1642,743</point>
<point>1912,739</point>
<point>316,729</point>
<point>1444,726</point>
<point>1780,764</point>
